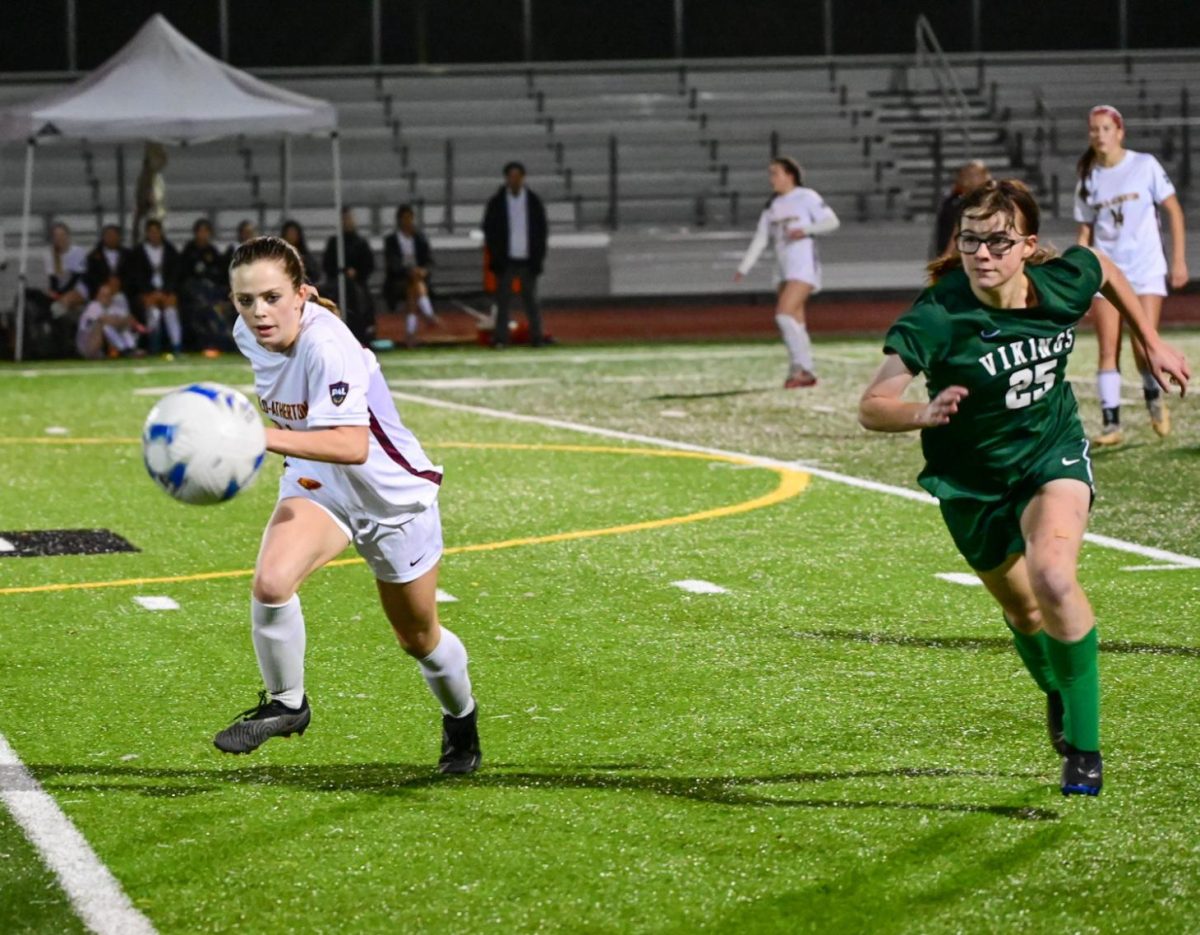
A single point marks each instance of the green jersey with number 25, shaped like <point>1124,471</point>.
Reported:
<point>1014,363</point>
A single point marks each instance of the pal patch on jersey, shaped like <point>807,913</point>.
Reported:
<point>338,392</point>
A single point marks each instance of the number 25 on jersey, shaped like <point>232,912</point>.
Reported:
<point>1041,378</point>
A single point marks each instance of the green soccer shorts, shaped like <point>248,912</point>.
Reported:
<point>986,532</point>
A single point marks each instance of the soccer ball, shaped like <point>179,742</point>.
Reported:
<point>203,443</point>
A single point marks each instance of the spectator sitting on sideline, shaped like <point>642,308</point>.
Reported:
<point>360,263</point>
<point>293,233</point>
<point>109,260</point>
<point>204,292</point>
<point>156,274</point>
<point>107,316</point>
<point>407,259</point>
<point>66,267</point>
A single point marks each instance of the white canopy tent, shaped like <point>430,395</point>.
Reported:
<point>161,86</point>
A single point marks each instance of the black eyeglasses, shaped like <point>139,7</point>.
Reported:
<point>997,244</point>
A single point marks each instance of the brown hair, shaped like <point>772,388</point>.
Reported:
<point>1083,168</point>
<point>277,250</point>
<point>1010,197</point>
<point>791,167</point>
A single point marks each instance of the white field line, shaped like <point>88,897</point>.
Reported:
<point>699,586</point>
<point>93,891</point>
<point>1120,545</point>
<point>959,577</point>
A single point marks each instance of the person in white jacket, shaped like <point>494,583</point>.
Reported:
<point>792,217</point>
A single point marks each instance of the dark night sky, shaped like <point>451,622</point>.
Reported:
<point>338,32</point>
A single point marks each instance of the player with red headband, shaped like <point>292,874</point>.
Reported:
<point>1116,204</point>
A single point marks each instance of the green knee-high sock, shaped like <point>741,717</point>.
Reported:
<point>1077,673</point>
<point>1032,650</point>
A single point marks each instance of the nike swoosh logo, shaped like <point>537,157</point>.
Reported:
<point>415,560</point>
<point>1067,462</point>
<point>988,335</point>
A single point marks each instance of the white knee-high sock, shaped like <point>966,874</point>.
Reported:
<point>410,324</point>
<point>174,329</point>
<point>445,672</point>
<point>1108,383</point>
<point>278,633</point>
<point>795,336</point>
<point>153,318</point>
<point>121,340</point>
<point>425,306</point>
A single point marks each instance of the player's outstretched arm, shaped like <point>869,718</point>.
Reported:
<point>341,444</point>
<point>881,408</point>
<point>1165,361</point>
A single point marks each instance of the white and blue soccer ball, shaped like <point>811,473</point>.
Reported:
<point>203,443</point>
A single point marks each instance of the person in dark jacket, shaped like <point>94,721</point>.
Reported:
<point>155,271</point>
<point>970,176</point>
<point>109,260</point>
<point>407,259</point>
<point>204,292</point>
<point>515,230</point>
<point>293,233</point>
<point>360,264</point>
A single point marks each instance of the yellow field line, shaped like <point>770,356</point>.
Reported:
<point>791,483</point>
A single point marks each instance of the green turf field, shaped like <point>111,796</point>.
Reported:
<point>841,741</point>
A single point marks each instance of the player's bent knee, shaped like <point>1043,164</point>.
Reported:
<point>274,588</point>
<point>1026,620</point>
<point>418,640</point>
<point>1054,583</point>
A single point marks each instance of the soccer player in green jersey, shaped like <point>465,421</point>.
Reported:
<point>1005,452</point>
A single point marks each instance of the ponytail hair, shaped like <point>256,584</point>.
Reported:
<point>278,250</point>
<point>1083,168</point>
<point>1009,197</point>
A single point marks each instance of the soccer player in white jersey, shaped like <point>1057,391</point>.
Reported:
<point>352,473</point>
<point>1116,204</point>
<point>792,217</point>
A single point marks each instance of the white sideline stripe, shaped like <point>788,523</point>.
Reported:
<point>958,577</point>
<point>445,598</point>
<point>1157,568</point>
<point>93,891</point>
<point>6,546</point>
<point>698,586</point>
<point>156,602</point>
<point>1120,545</point>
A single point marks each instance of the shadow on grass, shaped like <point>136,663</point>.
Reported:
<point>716,394</point>
<point>995,644</point>
<point>399,779</point>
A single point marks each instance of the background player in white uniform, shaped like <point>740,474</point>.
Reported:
<point>352,473</point>
<point>1116,203</point>
<point>792,217</point>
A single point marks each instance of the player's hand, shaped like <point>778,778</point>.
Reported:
<point>942,407</point>
<point>1168,366</point>
<point>1179,274</point>
<point>797,234</point>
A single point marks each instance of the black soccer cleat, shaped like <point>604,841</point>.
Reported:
<point>267,719</point>
<point>460,744</point>
<point>1083,773</point>
<point>1054,723</point>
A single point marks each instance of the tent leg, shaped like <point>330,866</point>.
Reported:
<point>337,204</point>
<point>23,269</point>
